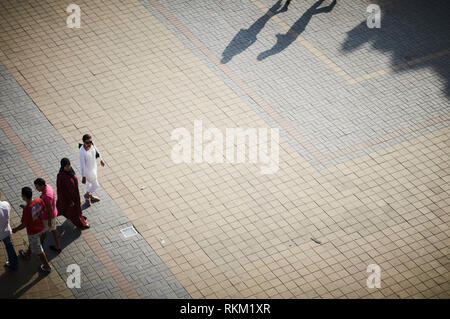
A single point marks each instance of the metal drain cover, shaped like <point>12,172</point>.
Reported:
<point>128,232</point>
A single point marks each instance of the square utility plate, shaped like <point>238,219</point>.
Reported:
<point>128,232</point>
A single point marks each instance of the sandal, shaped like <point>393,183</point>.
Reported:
<point>45,271</point>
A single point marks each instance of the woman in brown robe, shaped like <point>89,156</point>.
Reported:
<point>68,203</point>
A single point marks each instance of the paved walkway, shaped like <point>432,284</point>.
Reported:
<point>27,282</point>
<point>112,265</point>
<point>364,122</point>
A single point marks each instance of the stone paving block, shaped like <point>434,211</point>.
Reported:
<point>35,146</point>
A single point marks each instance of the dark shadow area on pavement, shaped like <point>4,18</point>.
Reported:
<point>410,29</point>
<point>246,37</point>
<point>285,40</point>
<point>13,284</point>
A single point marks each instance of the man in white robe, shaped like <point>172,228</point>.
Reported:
<point>88,164</point>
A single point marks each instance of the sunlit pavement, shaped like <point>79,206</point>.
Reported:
<point>363,116</point>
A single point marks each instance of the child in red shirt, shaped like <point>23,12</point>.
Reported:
<point>32,221</point>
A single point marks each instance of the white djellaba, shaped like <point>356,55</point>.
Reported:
<point>88,164</point>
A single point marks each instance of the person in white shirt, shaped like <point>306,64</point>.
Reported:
<point>88,162</point>
<point>5,236</point>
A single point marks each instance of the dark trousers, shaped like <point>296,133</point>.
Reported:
<point>12,257</point>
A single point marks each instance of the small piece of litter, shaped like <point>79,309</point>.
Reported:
<point>142,188</point>
<point>315,240</point>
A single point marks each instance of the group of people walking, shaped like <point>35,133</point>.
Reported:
<point>39,214</point>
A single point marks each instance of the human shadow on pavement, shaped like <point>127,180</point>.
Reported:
<point>285,40</point>
<point>68,233</point>
<point>14,284</point>
<point>410,30</point>
<point>246,37</point>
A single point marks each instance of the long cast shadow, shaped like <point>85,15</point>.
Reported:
<point>285,40</point>
<point>14,284</point>
<point>246,37</point>
<point>410,29</point>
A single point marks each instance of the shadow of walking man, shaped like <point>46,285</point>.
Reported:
<point>284,40</point>
<point>246,37</point>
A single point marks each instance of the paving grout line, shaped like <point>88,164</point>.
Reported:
<point>87,235</point>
